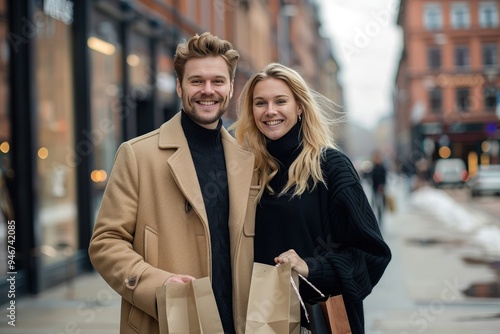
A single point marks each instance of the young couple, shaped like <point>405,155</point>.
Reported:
<point>188,200</point>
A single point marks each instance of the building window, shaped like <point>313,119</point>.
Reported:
<point>141,91</point>
<point>167,100</point>
<point>205,15</point>
<point>435,100</point>
<point>434,57</point>
<point>461,56</point>
<point>106,88</point>
<point>490,55</point>
<point>460,15</point>
<point>6,170</point>
<point>490,98</point>
<point>462,100</point>
<point>57,152</point>
<point>488,14</point>
<point>433,18</point>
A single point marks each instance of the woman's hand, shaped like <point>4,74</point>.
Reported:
<point>296,262</point>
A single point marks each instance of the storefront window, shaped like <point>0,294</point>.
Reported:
<point>57,155</point>
<point>6,173</point>
<point>141,92</point>
<point>107,113</point>
<point>165,82</point>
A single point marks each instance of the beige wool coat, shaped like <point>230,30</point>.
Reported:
<point>152,223</point>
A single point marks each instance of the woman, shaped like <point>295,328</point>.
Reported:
<point>312,209</point>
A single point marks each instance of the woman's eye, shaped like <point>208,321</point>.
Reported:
<point>259,103</point>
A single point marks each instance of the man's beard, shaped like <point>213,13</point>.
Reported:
<point>198,117</point>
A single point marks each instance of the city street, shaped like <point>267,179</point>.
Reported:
<point>445,269</point>
<point>414,85</point>
<point>442,279</point>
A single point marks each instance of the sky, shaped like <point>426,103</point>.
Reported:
<point>367,44</point>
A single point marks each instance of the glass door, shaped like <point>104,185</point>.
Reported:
<point>57,153</point>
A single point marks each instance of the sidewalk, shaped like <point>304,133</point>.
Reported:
<point>423,288</point>
<point>88,305</point>
<point>421,291</point>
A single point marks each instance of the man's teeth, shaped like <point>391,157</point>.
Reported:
<point>207,103</point>
<point>273,122</point>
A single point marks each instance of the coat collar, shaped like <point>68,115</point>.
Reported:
<point>239,165</point>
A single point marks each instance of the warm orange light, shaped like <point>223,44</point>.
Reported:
<point>5,147</point>
<point>133,60</point>
<point>101,46</point>
<point>98,175</point>
<point>485,159</point>
<point>444,152</point>
<point>473,159</point>
<point>43,153</point>
<point>485,146</point>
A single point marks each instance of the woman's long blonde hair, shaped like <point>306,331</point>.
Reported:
<point>315,128</point>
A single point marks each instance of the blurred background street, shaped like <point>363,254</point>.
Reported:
<point>418,82</point>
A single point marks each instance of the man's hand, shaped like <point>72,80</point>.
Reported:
<point>179,279</point>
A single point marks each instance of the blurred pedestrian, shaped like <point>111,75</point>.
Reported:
<point>178,199</point>
<point>312,210</point>
<point>378,178</point>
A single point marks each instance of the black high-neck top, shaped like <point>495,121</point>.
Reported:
<point>208,158</point>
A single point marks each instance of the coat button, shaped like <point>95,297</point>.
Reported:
<point>187,207</point>
<point>131,281</point>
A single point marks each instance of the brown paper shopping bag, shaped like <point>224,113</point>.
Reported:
<point>188,308</point>
<point>335,315</point>
<point>273,305</point>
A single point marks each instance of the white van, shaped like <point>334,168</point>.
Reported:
<point>450,172</point>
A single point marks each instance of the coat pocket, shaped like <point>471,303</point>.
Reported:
<point>249,228</point>
<point>151,246</point>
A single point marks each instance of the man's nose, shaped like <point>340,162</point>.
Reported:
<point>208,88</point>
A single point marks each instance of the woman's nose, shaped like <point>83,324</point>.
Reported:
<point>271,110</point>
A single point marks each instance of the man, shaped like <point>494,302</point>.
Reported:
<point>180,200</point>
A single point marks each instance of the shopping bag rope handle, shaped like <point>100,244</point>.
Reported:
<point>298,293</point>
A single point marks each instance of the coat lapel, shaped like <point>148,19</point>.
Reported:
<point>181,164</point>
<point>240,166</point>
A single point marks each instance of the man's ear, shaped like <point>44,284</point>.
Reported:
<point>231,89</point>
<point>178,87</point>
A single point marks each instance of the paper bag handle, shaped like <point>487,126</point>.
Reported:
<point>298,293</point>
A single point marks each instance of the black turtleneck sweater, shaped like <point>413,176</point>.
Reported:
<point>281,222</point>
<point>332,228</point>
<point>208,158</point>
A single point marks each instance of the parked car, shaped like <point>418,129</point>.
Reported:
<point>486,181</point>
<point>450,172</point>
